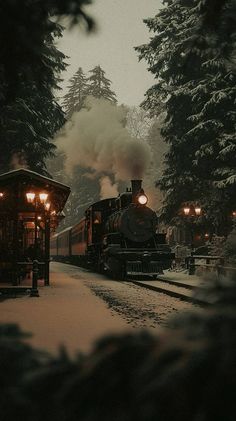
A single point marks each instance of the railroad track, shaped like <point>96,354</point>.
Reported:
<point>169,287</point>
<point>173,289</point>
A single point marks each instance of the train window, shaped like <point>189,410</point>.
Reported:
<point>97,217</point>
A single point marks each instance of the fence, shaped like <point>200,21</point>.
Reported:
<point>209,264</point>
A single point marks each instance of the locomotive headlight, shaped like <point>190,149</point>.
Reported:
<point>142,199</point>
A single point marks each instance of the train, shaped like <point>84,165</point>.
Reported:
<point>117,236</point>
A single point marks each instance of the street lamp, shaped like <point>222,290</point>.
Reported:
<point>47,206</point>
<point>37,200</point>
<point>191,211</point>
<point>198,211</point>
<point>186,211</point>
<point>30,197</point>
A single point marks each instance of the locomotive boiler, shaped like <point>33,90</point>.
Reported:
<point>118,236</point>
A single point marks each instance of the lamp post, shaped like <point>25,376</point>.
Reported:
<point>47,242</point>
<point>36,201</point>
<point>191,212</point>
<point>40,201</point>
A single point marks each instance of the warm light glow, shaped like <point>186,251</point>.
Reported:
<point>30,197</point>
<point>43,197</point>
<point>206,235</point>
<point>1,195</point>
<point>47,206</point>
<point>39,218</point>
<point>29,225</point>
<point>198,211</point>
<point>186,211</point>
<point>234,214</point>
<point>142,199</point>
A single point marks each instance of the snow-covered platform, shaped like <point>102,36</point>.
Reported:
<point>65,313</point>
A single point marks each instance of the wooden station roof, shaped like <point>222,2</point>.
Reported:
<point>14,185</point>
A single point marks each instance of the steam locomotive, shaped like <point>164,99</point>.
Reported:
<point>117,236</point>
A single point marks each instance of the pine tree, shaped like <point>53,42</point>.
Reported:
<point>31,120</point>
<point>198,92</point>
<point>99,85</point>
<point>29,74</point>
<point>218,24</point>
<point>77,93</point>
<point>24,26</point>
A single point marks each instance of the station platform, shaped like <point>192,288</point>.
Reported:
<point>65,313</point>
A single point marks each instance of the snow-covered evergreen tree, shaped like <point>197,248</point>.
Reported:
<point>99,85</point>
<point>218,26</point>
<point>29,69</point>
<point>198,91</point>
<point>138,122</point>
<point>77,93</point>
<point>30,120</point>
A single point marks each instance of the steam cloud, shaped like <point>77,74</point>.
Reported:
<point>96,138</point>
<point>107,188</point>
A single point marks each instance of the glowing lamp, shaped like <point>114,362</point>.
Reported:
<point>206,235</point>
<point>142,199</point>
<point>233,213</point>
<point>198,211</point>
<point>186,211</point>
<point>30,197</point>
<point>43,197</point>
<point>47,206</point>
<point>1,195</point>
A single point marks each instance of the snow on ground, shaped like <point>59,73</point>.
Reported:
<point>80,306</point>
<point>140,307</point>
<point>65,313</point>
<point>182,276</point>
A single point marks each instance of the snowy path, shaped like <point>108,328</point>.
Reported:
<point>141,308</point>
<point>65,313</point>
<point>80,306</point>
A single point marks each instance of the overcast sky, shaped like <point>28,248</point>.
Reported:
<point>120,28</point>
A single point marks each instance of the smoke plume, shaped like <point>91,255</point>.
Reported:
<point>107,188</point>
<point>96,138</point>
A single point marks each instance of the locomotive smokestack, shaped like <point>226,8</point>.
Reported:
<point>136,186</point>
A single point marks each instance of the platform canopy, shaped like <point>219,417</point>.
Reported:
<point>15,183</point>
<point>31,207</point>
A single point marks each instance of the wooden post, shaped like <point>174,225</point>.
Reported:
<point>47,250</point>
<point>191,270</point>
<point>34,290</point>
